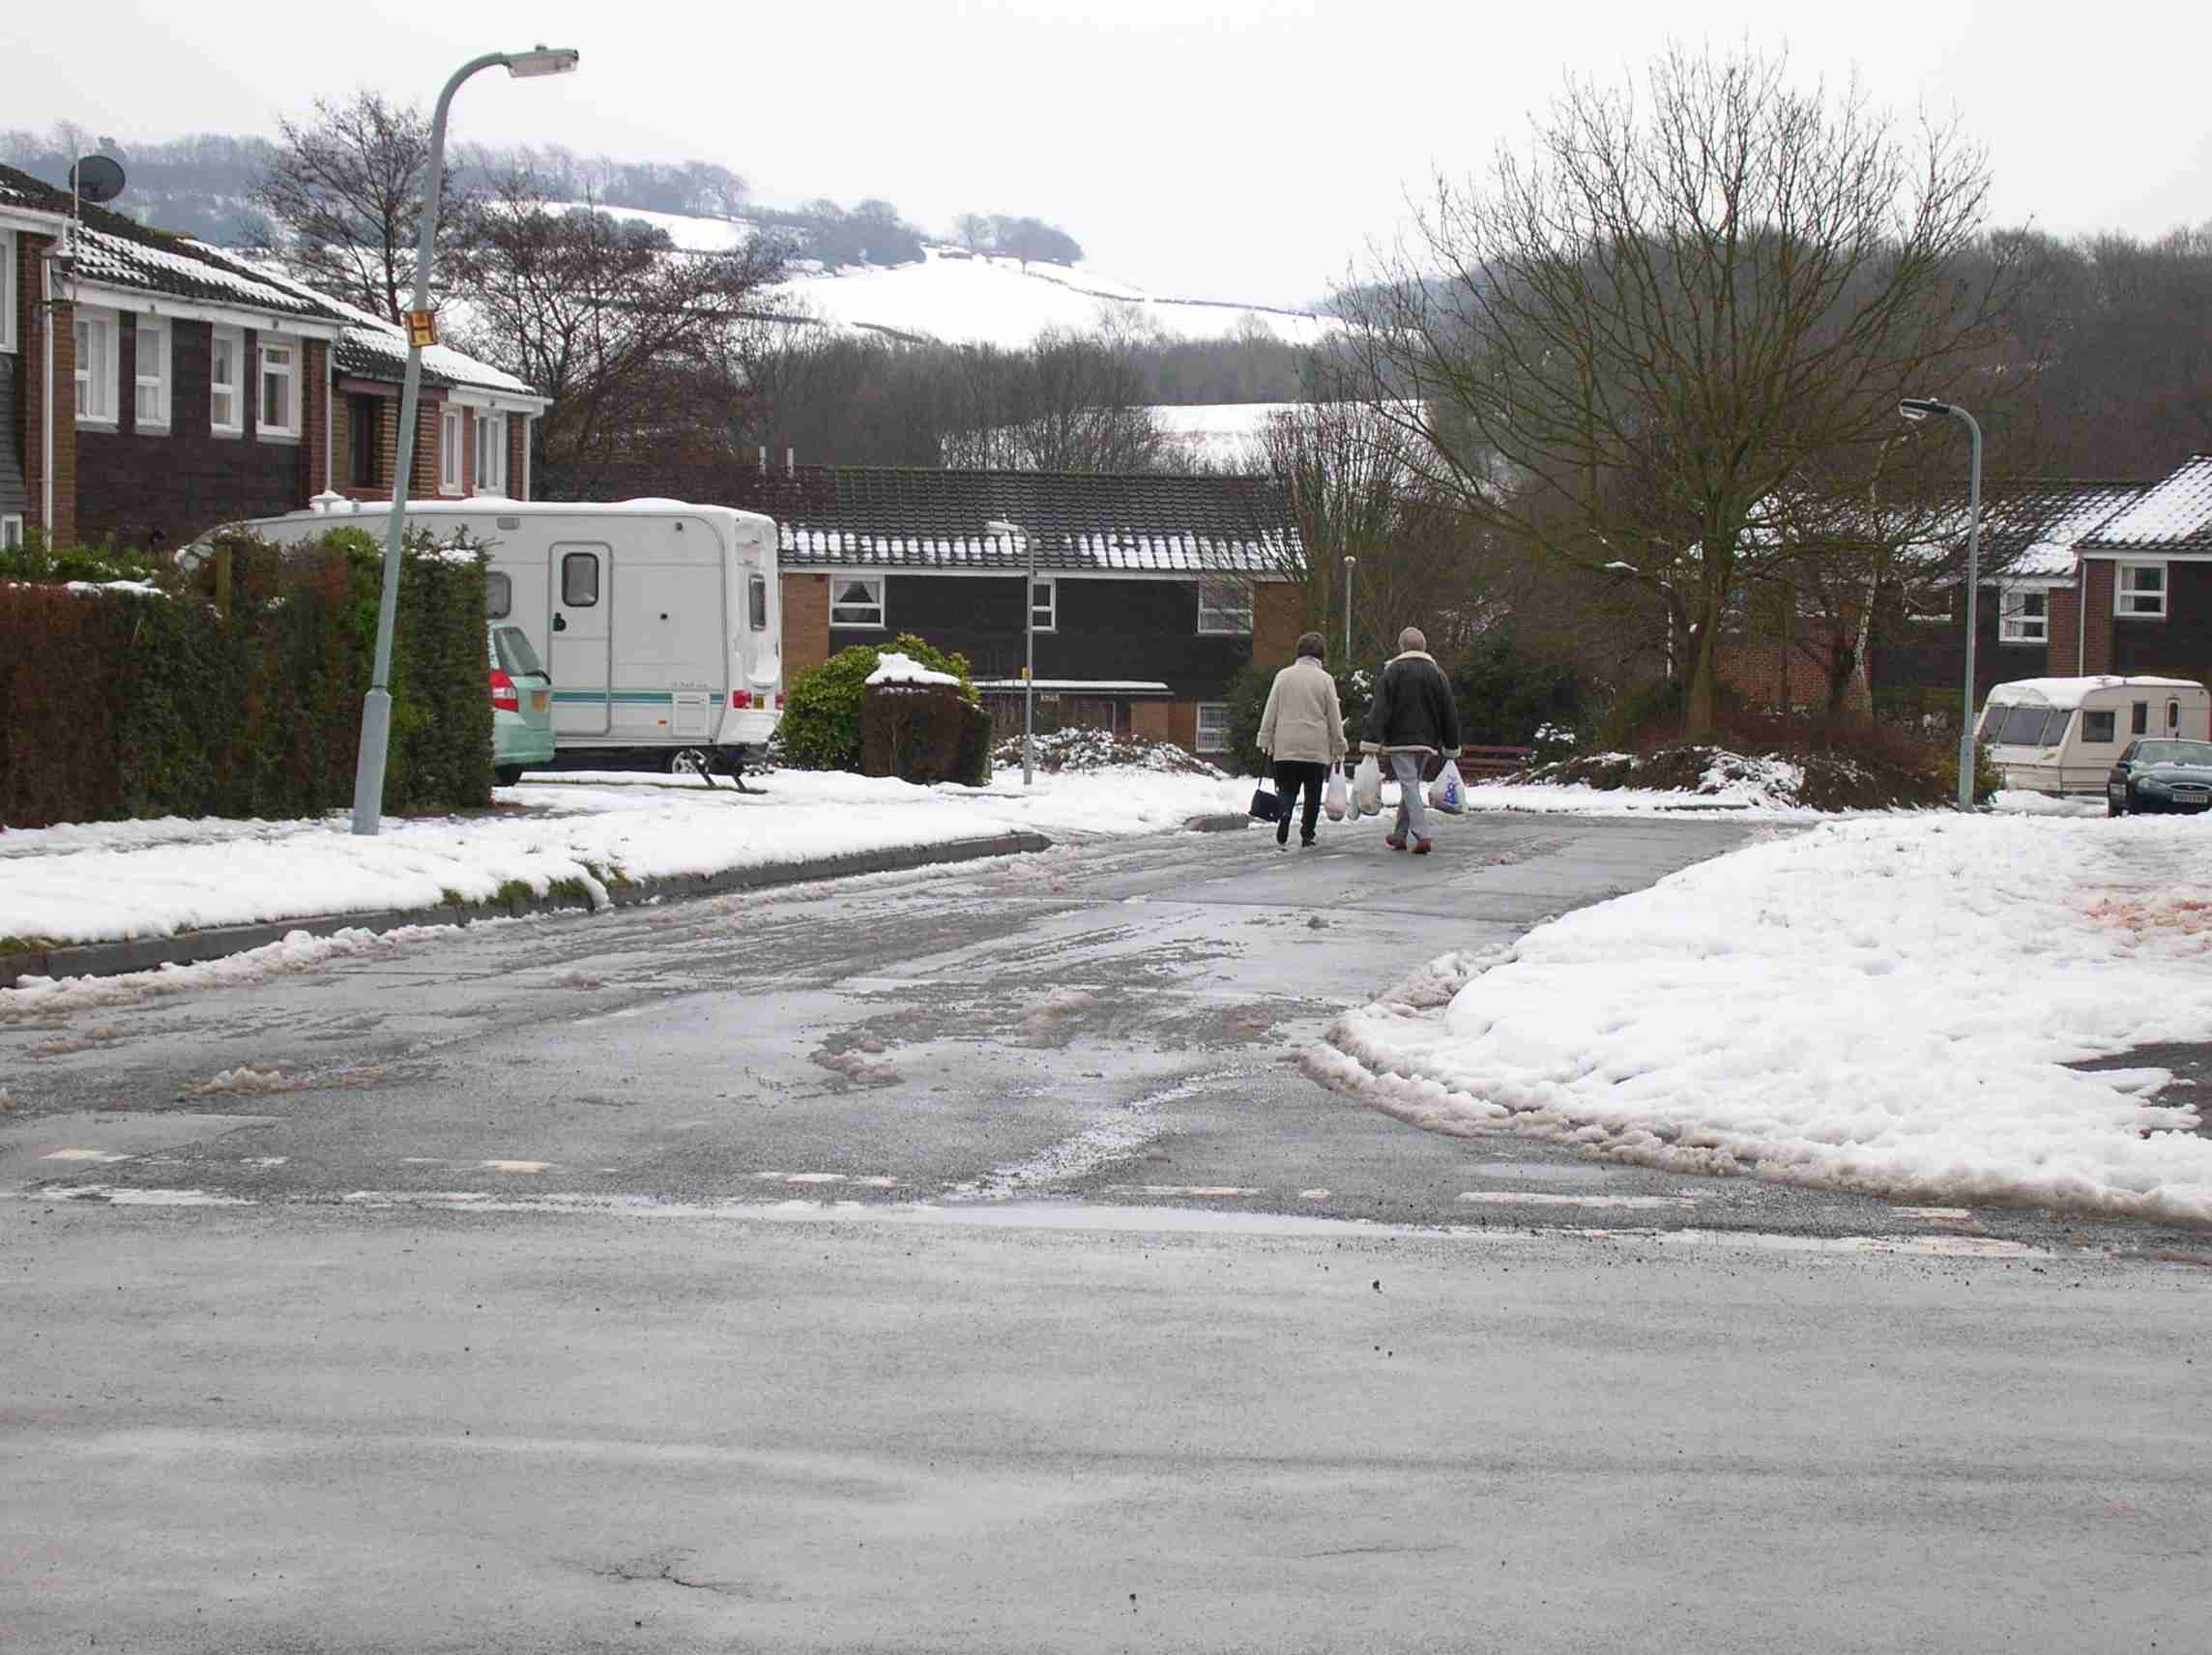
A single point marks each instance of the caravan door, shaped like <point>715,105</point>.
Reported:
<point>579,634</point>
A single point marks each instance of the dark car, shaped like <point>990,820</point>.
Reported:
<point>2160,775</point>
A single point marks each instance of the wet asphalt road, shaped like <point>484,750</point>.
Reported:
<point>958,1261</point>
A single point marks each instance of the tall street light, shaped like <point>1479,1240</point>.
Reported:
<point>1348,563</point>
<point>1917,408</point>
<point>376,707</point>
<point>999,526</point>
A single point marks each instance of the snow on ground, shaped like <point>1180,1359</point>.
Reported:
<point>1762,790</point>
<point>1884,1005</point>
<point>103,882</point>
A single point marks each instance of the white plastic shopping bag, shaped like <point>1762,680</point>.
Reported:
<point>1447,793</point>
<point>1336,796</point>
<point>1367,786</point>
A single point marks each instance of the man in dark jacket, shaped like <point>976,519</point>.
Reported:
<point>1409,717</point>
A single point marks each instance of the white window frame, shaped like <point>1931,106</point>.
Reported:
<point>1220,619</point>
<point>491,451</point>
<point>235,389</point>
<point>96,324</point>
<point>2014,625</point>
<point>1219,741</point>
<point>159,331</point>
<point>10,530</point>
<point>288,370</point>
<point>452,440</point>
<point>875,583</point>
<point>1044,617</point>
<point>2122,591</point>
<point>8,251</point>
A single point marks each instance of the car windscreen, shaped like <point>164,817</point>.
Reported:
<point>517,659</point>
<point>2025,726</point>
<point>2193,753</point>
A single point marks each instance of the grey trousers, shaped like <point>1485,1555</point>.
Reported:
<point>1412,805</point>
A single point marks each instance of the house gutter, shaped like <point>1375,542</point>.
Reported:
<point>2081,616</point>
<point>46,334</point>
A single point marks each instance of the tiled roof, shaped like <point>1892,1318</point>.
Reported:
<point>2029,528</point>
<point>884,517</point>
<point>375,348</point>
<point>115,251</point>
<point>2172,515</point>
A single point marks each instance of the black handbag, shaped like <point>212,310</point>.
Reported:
<point>1266,804</point>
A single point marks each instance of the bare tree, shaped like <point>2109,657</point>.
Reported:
<point>1074,402</point>
<point>346,191</point>
<point>626,333</point>
<point>1625,345</point>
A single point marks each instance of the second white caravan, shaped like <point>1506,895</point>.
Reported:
<point>659,619</point>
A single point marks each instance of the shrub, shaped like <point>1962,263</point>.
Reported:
<point>821,725</point>
<point>1504,696</point>
<point>1247,699</point>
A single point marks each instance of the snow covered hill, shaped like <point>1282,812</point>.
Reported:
<point>962,297</point>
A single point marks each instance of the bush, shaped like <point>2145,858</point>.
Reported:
<point>150,703</point>
<point>820,726</point>
<point>1505,696</point>
<point>1247,700</point>
<point>924,733</point>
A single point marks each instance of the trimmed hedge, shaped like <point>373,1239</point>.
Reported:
<point>820,726</point>
<point>118,704</point>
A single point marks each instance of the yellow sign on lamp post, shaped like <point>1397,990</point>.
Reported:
<point>422,330</point>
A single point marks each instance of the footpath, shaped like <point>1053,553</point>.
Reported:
<point>100,899</point>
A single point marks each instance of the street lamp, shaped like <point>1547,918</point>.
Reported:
<point>999,526</point>
<point>1920,408</point>
<point>1348,563</point>
<point>376,707</point>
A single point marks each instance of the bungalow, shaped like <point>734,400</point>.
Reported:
<point>151,385</point>
<point>1152,593</point>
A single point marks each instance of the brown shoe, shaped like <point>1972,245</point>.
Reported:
<point>1393,841</point>
<point>1420,847</point>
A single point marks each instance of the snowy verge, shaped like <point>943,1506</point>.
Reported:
<point>109,882</point>
<point>1885,1005</point>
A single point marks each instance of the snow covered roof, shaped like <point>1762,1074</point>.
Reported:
<point>1077,685</point>
<point>892,517</point>
<point>2029,528</point>
<point>2171,515</point>
<point>2073,691</point>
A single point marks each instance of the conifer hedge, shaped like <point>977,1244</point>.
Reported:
<point>143,700</point>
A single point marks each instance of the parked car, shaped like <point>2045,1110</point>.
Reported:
<point>2161,775</point>
<point>521,706</point>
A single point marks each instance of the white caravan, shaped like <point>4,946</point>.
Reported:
<point>2063,735</point>
<point>659,620</point>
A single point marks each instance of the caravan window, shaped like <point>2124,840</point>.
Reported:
<point>2138,722</point>
<point>2098,728</point>
<point>2031,726</point>
<point>756,603</point>
<point>580,579</point>
<point>498,594</point>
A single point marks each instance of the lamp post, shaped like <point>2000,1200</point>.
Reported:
<point>1348,563</point>
<point>376,705</point>
<point>999,526</point>
<point>1920,408</point>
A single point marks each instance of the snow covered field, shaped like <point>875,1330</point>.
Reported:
<point>109,881</point>
<point>1884,1004</point>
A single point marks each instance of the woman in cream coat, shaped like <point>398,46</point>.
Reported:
<point>1302,732</point>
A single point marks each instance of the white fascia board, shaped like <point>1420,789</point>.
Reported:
<point>31,220</point>
<point>794,563</point>
<point>139,302</point>
<point>497,402</point>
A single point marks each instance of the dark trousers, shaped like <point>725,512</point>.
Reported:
<point>1291,774</point>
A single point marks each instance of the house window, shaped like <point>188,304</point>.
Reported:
<point>580,579</point>
<point>1044,606</point>
<point>1213,726</point>
<point>498,594</point>
<point>11,532</point>
<point>2141,591</point>
<point>491,452</point>
<point>226,349</point>
<point>7,290</point>
<point>364,414</point>
<point>857,601</point>
<point>95,367</point>
<point>451,427</point>
<point>2024,616</point>
<point>280,415</point>
<point>1225,607</point>
<point>1922,604</point>
<point>2099,729</point>
<point>153,373</point>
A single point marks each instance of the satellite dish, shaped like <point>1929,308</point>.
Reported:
<point>95,178</point>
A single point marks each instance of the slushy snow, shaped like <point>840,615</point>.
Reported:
<point>1885,1005</point>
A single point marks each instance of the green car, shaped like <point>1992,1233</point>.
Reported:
<point>521,706</point>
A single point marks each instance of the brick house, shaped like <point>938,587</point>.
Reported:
<point>1152,593</point>
<point>2141,601</point>
<point>152,386</point>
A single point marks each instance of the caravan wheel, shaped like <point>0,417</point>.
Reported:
<point>690,761</point>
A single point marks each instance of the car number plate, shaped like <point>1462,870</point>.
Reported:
<point>2192,796</point>
<point>537,701</point>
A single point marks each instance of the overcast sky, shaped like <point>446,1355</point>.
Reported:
<point>1227,149</point>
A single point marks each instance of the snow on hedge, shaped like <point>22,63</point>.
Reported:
<point>1885,1005</point>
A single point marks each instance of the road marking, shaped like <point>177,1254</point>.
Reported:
<point>1541,1197</point>
<point>879,1181</point>
<point>515,1166</point>
<point>84,1155</point>
<point>1178,1189</point>
<point>264,1160</point>
<point>1313,1195</point>
<point>1936,1214</point>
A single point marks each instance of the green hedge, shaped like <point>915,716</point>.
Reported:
<point>141,704</point>
<point>821,725</point>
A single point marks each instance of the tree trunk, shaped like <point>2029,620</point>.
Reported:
<point>1697,699</point>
